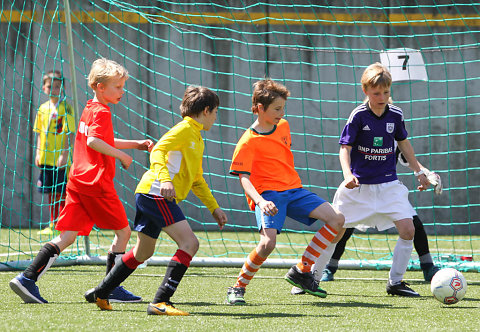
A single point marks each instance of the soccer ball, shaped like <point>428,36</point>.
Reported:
<point>448,286</point>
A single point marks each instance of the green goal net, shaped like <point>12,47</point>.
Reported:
<point>318,49</point>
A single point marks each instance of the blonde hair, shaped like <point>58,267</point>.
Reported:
<point>376,75</point>
<point>103,70</point>
<point>266,91</point>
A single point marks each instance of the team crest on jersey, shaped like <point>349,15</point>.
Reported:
<point>390,127</point>
<point>378,141</point>
<point>284,139</point>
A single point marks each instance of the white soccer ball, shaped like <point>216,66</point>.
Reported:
<point>448,286</point>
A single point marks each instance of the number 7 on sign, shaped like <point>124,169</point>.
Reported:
<point>404,64</point>
<point>406,57</point>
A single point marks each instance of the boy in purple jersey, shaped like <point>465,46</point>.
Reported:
<point>371,194</point>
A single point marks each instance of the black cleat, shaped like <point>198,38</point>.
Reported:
<point>305,281</point>
<point>236,296</point>
<point>90,296</point>
<point>401,289</point>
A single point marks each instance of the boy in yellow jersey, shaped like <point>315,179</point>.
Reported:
<point>263,160</point>
<point>175,169</point>
<point>55,128</point>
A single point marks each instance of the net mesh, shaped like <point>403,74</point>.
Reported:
<point>317,50</point>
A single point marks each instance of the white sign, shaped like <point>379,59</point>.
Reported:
<point>405,64</point>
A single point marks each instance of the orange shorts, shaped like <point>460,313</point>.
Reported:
<point>81,212</point>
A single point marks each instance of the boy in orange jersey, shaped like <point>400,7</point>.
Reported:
<point>262,153</point>
<point>91,196</point>
<point>55,128</point>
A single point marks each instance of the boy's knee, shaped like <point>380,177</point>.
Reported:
<point>191,246</point>
<point>267,246</point>
<point>194,244</point>
<point>406,230</point>
<point>337,221</point>
<point>124,233</point>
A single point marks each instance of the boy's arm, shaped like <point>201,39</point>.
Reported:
<point>265,206</point>
<point>407,151</point>
<point>432,177</point>
<point>100,146</point>
<point>201,190</point>
<point>37,153</point>
<point>351,180</point>
<point>134,144</point>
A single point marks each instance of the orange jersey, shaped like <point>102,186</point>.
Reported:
<point>267,158</point>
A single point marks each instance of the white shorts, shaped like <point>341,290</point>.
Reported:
<point>373,205</point>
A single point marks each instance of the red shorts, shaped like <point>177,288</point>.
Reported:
<point>81,212</point>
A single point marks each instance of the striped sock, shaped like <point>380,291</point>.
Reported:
<point>316,247</point>
<point>251,266</point>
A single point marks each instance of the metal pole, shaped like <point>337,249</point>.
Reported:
<point>73,81</point>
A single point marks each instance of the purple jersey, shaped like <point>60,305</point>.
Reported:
<point>372,139</point>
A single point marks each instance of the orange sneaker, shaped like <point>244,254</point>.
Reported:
<point>103,304</point>
<point>165,308</point>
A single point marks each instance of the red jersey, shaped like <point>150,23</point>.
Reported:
<point>92,172</point>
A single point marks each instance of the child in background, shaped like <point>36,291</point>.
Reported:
<point>55,128</point>
<point>91,195</point>
<point>175,169</point>
<point>263,160</point>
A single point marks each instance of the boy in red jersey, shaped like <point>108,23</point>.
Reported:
<point>91,196</point>
<point>175,169</point>
<point>263,160</point>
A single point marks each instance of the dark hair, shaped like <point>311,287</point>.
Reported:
<point>196,99</point>
<point>266,91</point>
<point>52,75</point>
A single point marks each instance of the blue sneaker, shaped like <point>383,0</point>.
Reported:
<point>120,294</point>
<point>327,275</point>
<point>26,289</point>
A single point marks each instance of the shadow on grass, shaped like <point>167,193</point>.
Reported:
<point>357,304</point>
<point>469,299</point>
<point>245,315</point>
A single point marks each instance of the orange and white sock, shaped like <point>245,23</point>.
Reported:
<point>249,268</point>
<point>316,247</point>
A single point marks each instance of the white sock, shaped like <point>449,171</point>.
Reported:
<point>401,257</point>
<point>323,259</point>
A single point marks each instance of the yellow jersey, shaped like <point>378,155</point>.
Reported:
<point>177,157</point>
<point>53,123</point>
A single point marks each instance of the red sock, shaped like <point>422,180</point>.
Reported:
<point>182,257</point>
<point>130,260</point>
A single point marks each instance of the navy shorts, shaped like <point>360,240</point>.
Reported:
<point>52,180</point>
<point>294,203</point>
<point>154,213</point>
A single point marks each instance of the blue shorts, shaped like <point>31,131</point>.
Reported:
<point>154,213</point>
<point>294,203</point>
<point>52,180</point>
